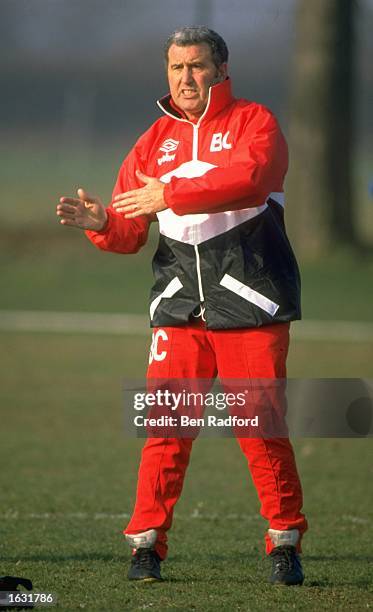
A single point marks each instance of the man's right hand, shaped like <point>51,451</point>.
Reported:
<point>85,212</point>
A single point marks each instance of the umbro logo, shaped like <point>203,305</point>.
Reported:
<point>169,145</point>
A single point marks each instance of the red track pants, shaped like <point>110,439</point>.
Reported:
<point>194,352</point>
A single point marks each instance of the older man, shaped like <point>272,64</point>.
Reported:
<point>227,284</point>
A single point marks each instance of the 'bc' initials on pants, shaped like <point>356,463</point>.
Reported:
<point>154,353</point>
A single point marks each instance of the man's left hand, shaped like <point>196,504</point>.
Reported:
<point>145,201</point>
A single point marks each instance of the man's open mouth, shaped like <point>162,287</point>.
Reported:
<point>188,92</point>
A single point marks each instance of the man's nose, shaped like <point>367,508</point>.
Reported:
<point>187,76</point>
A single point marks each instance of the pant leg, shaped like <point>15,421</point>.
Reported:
<point>176,353</point>
<point>261,354</point>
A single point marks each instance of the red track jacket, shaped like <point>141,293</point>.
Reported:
<point>224,191</point>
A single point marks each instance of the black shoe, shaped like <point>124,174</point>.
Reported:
<point>145,566</point>
<point>286,566</point>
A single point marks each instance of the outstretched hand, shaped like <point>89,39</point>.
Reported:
<point>144,201</point>
<point>85,212</point>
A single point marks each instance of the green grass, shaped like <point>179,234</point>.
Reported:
<point>63,452</point>
<point>37,168</point>
<point>65,272</point>
<point>71,274</point>
<point>68,471</point>
<point>45,266</point>
<point>36,171</point>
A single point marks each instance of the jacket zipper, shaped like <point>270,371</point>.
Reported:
<point>195,143</point>
<point>198,263</point>
<point>195,158</point>
<point>199,277</point>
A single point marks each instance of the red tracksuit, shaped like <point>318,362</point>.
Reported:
<point>194,352</point>
<point>219,174</point>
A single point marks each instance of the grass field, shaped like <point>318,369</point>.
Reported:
<point>68,484</point>
<point>65,272</point>
<point>69,472</point>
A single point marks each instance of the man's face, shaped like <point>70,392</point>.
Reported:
<point>191,71</point>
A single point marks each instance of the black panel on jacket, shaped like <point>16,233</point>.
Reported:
<point>255,254</point>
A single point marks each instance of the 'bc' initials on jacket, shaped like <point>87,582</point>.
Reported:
<point>222,238</point>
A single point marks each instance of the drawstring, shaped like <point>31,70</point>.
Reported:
<point>201,313</point>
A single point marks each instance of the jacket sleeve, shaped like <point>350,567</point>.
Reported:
<point>122,235</point>
<point>257,166</point>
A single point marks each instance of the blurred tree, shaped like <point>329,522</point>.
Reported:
<point>321,140</point>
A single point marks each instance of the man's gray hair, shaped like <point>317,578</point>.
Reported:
<point>195,35</point>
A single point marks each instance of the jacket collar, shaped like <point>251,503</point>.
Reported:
<point>220,96</point>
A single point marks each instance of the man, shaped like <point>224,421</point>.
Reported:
<point>227,283</point>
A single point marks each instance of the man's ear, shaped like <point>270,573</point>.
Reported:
<point>223,71</point>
